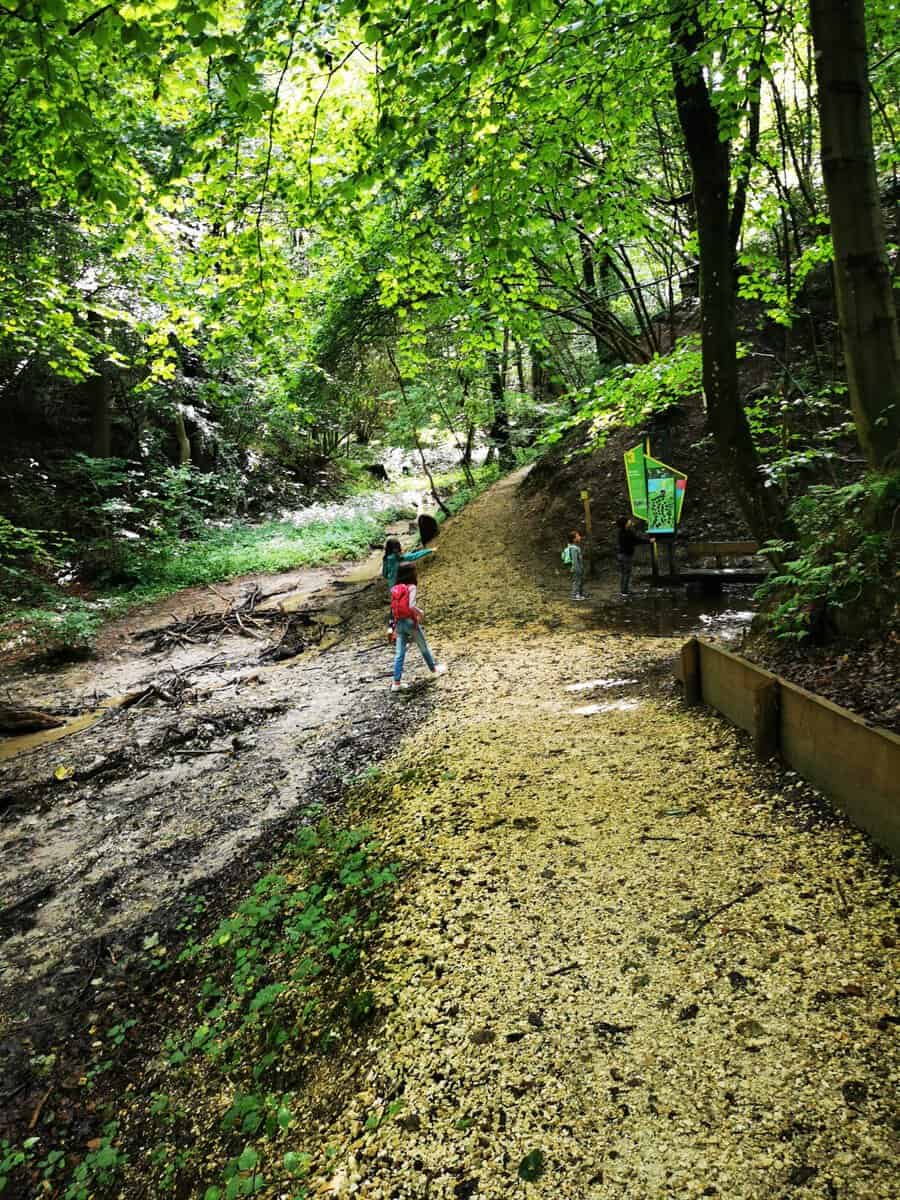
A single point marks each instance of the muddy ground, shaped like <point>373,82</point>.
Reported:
<point>106,831</point>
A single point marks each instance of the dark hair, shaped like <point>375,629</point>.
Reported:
<point>392,546</point>
<point>574,533</point>
<point>622,522</point>
<point>406,573</point>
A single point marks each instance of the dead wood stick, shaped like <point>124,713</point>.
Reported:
<point>753,890</point>
<point>16,719</point>
<point>572,966</point>
<point>840,891</point>
<point>37,1112</point>
<point>219,594</point>
<point>198,753</point>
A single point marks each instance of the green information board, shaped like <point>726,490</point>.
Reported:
<point>656,490</point>
<point>637,481</point>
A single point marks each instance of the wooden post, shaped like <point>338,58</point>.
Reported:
<point>766,704</point>
<point>690,673</point>
<point>589,530</point>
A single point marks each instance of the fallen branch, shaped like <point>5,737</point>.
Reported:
<point>753,890</point>
<point>15,719</point>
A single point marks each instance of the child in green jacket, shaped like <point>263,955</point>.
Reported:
<point>390,565</point>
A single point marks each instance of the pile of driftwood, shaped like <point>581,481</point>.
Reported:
<point>285,634</point>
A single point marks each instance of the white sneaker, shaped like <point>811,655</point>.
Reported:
<point>399,687</point>
<point>440,669</point>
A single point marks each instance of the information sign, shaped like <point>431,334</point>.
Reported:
<point>656,490</point>
<point>637,481</point>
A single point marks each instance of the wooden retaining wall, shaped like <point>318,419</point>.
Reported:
<point>856,764</point>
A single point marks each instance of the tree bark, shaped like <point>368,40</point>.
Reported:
<point>184,442</point>
<point>710,161</point>
<point>499,431</point>
<point>866,310</point>
<point>96,390</point>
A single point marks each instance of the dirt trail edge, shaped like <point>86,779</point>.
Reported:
<point>627,961</point>
<point>105,835</point>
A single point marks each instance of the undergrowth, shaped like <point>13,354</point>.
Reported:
<point>839,575</point>
<point>210,1109</point>
<point>34,611</point>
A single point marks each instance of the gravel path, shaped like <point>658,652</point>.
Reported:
<point>627,961</point>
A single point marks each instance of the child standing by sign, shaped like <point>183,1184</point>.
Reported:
<point>628,539</point>
<point>573,557</point>
<point>407,624</point>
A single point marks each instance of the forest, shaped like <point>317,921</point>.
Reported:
<point>243,247</point>
<point>273,273</point>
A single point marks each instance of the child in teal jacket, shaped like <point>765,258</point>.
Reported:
<point>390,565</point>
<point>394,556</point>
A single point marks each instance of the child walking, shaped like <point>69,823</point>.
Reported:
<point>407,624</point>
<point>574,557</point>
<point>390,565</point>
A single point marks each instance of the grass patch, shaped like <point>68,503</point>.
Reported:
<point>66,625</point>
<point>242,549</point>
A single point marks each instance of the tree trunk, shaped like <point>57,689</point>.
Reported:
<point>98,394</point>
<point>499,431</point>
<point>96,389</point>
<point>711,169</point>
<point>865,301</point>
<point>184,442</point>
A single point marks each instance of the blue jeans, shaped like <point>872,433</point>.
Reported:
<point>406,629</point>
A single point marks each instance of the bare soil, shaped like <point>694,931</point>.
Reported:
<point>105,831</point>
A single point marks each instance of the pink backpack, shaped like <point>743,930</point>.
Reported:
<point>400,607</point>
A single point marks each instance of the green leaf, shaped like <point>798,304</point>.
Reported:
<point>248,1159</point>
<point>532,1166</point>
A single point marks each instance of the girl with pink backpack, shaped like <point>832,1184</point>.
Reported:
<point>408,624</point>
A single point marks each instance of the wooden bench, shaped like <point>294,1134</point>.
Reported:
<point>710,580</point>
<point>720,550</point>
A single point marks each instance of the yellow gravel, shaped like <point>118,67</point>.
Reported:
<point>567,996</point>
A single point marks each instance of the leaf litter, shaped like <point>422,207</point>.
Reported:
<point>601,977</point>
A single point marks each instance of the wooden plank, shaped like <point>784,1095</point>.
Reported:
<point>720,549</point>
<point>766,703</point>
<point>690,673</point>
<point>854,763</point>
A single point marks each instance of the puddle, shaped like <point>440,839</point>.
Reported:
<point>11,747</point>
<point>672,614</point>
<point>596,684</point>
<point>589,710</point>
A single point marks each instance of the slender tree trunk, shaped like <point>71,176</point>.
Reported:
<point>520,370</point>
<point>184,442</point>
<point>589,277</point>
<point>710,166</point>
<point>865,301</point>
<point>499,431</point>
<point>97,390</point>
<point>101,434</point>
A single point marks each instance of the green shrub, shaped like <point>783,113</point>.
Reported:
<point>630,394</point>
<point>843,562</point>
<point>70,628</point>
